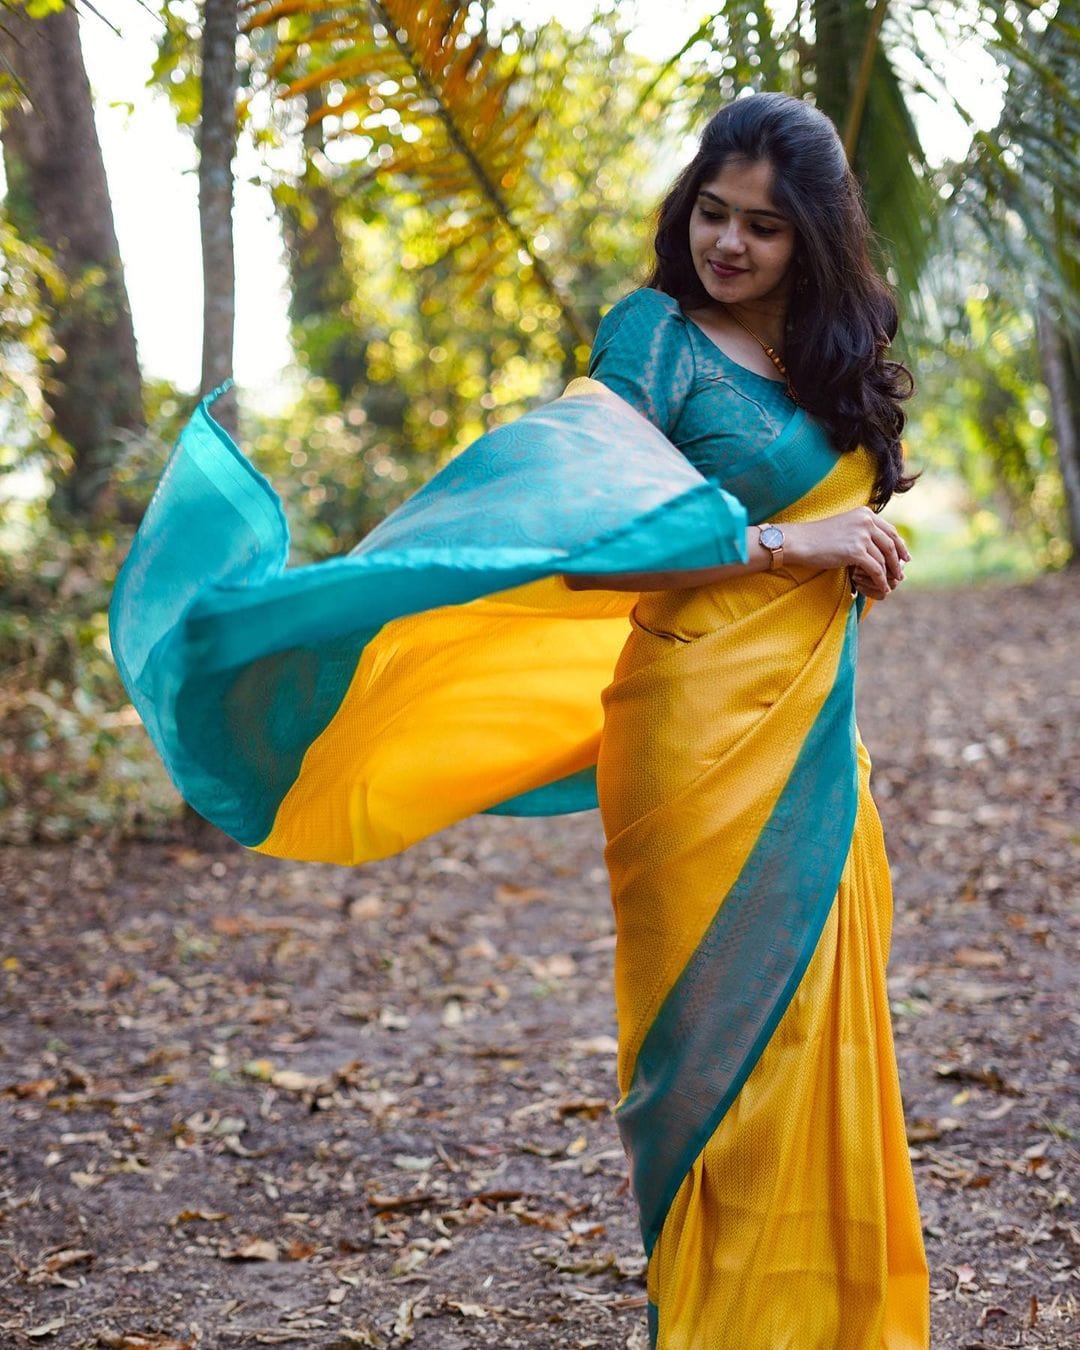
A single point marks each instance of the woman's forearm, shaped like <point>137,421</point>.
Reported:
<point>758,561</point>
<point>858,539</point>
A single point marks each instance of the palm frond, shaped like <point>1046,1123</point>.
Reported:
<point>897,184</point>
<point>1020,183</point>
<point>444,107</point>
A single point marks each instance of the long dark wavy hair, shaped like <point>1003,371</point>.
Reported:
<point>841,315</point>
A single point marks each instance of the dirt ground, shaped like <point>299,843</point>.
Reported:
<point>246,1102</point>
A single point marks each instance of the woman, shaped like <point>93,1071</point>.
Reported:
<point>760,1107</point>
<point>454,662</point>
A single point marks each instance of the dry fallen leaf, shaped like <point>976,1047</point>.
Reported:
<point>511,894</point>
<point>250,1249</point>
<point>408,1163</point>
<point>290,1080</point>
<point>977,959</point>
<point>85,1180</point>
<point>34,1087</point>
<point>299,1251</point>
<point>595,1045</point>
<point>145,1340</point>
<point>69,1256</point>
<point>467,1309</point>
<point>364,907</point>
<point>197,1216</point>
<point>49,1328</point>
<point>591,1107</point>
<point>559,966</point>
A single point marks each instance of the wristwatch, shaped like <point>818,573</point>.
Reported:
<point>772,538</point>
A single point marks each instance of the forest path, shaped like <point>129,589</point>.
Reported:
<point>247,1102</point>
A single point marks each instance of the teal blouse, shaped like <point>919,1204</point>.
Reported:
<point>719,414</point>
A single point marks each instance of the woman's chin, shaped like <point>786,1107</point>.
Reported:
<point>727,290</point>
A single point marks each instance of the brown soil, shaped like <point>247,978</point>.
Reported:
<point>247,1102</point>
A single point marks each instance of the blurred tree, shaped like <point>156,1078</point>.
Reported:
<point>1059,347</point>
<point>26,343</point>
<point>982,410</point>
<point>1021,185</point>
<point>448,351</point>
<point>217,146</point>
<point>58,196</point>
<point>309,205</point>
<point>439,102</point>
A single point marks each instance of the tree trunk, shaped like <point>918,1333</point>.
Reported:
<point>834,21</point>
<point>1061,371</point>
<point>323,329</point>
<point>217,146</point>
<point>57,193</point>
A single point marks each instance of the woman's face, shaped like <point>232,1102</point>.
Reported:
<point>741,244</point>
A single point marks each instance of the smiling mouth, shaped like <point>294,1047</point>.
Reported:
<point>724,270</point>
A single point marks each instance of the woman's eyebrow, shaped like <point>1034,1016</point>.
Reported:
<point>743,210</point>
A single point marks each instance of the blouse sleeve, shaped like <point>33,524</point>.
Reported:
<point>642,353</point>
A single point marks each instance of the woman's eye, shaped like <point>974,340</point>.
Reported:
<point>764,230</point>
<point>710,215</point>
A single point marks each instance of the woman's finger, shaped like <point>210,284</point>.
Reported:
<point>901,546</point>
<point>897,538</point>
<point>874,565</point>
<point>867,586</point>
<point>888,548</point>
<point>863,583</point>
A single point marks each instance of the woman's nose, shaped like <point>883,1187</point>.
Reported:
<point>730,237</point>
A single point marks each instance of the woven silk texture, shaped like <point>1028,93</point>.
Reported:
<point>344,710</point>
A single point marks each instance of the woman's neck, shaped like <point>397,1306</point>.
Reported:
<point>764,318</point>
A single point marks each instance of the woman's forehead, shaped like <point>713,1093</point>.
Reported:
<point>742,184</point>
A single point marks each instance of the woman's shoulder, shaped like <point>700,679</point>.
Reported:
<point>645,322</point>
<point>643,353</point>
<point>644,305</point>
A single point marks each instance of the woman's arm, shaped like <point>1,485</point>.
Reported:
<point>857,539</point>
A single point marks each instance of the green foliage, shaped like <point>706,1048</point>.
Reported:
<point>1020,182</point>
<point>431,95</point>
<point>38,9</point>
<point>982,416</point>
<point>451,342</point>
<point>73,754</point>
<point>176,66</point>
<point>26,343</point>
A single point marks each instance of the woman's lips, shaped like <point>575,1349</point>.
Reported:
<point>723,270</point>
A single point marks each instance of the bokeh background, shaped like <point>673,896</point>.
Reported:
<point>398,225</point>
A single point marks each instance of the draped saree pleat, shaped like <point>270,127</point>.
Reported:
<point>759,1101</point>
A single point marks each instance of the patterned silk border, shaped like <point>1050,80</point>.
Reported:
<point>720,1015</point>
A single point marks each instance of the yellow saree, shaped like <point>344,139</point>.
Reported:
<point>760,1105</point>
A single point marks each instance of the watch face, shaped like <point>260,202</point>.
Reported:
<point>772,537</point>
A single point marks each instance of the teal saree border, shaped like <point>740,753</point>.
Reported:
<point>727,1002</point>
<point>237,663</point>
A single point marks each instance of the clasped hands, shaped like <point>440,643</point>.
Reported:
<point>869,547</point>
